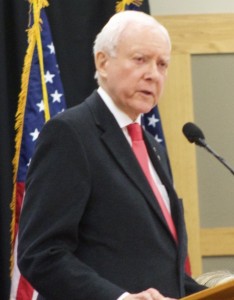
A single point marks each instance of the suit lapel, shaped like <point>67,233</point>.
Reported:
<point>176,207</point>
<point>114,139</point>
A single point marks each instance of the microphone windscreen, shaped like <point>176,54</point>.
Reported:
<point>193,133</point>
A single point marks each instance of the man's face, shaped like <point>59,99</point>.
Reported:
<point>135,77</point>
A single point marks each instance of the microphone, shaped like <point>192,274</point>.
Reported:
<point>195,135</point>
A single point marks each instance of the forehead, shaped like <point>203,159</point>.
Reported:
<point>152,39</point>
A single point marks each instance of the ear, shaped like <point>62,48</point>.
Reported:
<point>101,62</point>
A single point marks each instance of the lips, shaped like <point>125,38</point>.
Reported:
<point>148,93</point>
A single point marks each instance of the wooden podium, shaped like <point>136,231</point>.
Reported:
<point>223,291</point>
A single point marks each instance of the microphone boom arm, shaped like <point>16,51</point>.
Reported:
<point>208,148</point>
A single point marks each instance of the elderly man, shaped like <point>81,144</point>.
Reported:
<point>101,220</point>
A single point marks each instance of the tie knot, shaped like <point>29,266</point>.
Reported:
<point>135,132</point>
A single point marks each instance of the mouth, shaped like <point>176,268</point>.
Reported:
<point>147,93</point>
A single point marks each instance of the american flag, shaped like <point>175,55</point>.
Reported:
<point>128,5</point>
<point>152,123</point>
<point>41,98</point>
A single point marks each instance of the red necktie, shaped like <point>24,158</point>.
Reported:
<point>139,149</point>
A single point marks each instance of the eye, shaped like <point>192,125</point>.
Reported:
<point>139,59</point>
<point>163,65</point>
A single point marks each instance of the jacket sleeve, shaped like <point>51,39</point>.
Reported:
<point>58,187</point>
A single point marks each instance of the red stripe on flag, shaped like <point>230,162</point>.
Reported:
<point>187,266</point>
<point>19,199</point>
<point>25,291</point>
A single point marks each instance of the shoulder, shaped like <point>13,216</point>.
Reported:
<point>77,115</point>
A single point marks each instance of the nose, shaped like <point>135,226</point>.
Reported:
<point>152,72</point>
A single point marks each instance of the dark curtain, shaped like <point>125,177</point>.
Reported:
<point>13,22</point>
<point>74,25</point>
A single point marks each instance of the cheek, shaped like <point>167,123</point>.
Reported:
<point>126,82</point>
<point>161,83</point>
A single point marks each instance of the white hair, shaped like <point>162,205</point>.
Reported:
<point>107,40</point>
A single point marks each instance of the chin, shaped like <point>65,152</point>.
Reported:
<point>147,109</point>
<point>143,108</point>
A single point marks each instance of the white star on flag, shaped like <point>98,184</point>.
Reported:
<point>152,121</point>
<point>56,96</point>
<point>51,47</point>
<point>157,138</point>
<point>35,134</point>
<point>49,77</point>
<point>41,106</point>
<point>28,164</point>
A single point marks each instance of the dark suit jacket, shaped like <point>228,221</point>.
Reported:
<point>90,226</point>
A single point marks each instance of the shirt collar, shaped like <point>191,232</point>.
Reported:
<point>122,119</point>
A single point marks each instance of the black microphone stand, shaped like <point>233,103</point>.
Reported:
<point>202,143</point>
